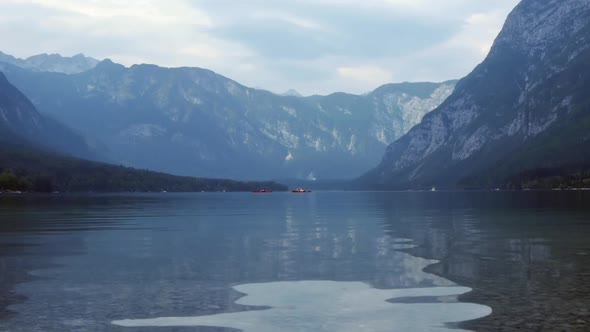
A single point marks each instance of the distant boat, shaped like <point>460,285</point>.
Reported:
<point>433,189</point>
<point>300,191</point>
<point>262,191</point>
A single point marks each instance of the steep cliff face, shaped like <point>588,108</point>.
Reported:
<point>525,106</point>
<point>193,121</point>
<point>16,111</point>
<point>20,123</point>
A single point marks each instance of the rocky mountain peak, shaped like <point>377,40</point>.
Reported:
<point>535,25</point>
<point>529,84</point>
<point>108,65</point>
<point>52,63</point>
<point>292,93</point>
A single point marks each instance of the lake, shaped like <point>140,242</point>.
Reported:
<point>323,261</point>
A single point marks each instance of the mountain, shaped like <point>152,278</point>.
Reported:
<point>52,63</point>
<point>20,121</point>
<point>292,93</point>
<point>25,167</point>
<point>192,121</point>
<point>30,158</point>
<point>525,107</point>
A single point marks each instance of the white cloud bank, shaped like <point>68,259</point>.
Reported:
<point>314,46</point>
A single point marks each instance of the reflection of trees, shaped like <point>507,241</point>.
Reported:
<point>180,255</point>
<point>339,244</point>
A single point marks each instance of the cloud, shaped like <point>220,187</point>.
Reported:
<point>365,75</point>
<point>157,12</point>
<point>314,46</point>
<point>453,57</point>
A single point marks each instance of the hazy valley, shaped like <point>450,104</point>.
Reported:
<point>202,124</point>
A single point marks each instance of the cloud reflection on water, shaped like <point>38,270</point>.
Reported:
<point>331,306</point>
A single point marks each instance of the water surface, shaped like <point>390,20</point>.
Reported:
<point>131,262</point>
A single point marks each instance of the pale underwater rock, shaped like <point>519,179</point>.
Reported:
<point>331,306</point>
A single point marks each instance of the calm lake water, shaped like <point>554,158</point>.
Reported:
<point>325,261</point>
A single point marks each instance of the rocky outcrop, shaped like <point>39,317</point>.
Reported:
<point>525,106</point>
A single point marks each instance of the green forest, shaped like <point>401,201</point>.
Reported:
<point>27,169</point>
<point>571,177</point>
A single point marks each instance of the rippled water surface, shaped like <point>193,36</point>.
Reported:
<point>323,261</point>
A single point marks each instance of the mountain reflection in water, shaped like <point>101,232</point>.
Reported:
<point>72,262</point>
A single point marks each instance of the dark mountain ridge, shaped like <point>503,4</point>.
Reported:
<point>32,158</point>
<point>525,107</point>
<point>20,121</point>
<point>203,124</point>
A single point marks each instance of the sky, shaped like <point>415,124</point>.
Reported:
<point>312,46</point>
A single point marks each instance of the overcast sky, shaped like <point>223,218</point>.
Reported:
<point>313,46</point>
